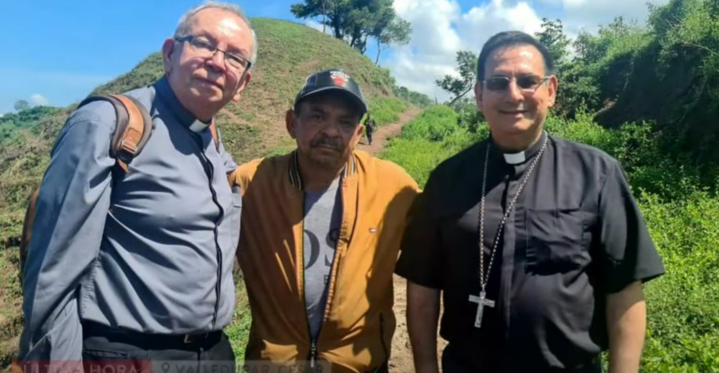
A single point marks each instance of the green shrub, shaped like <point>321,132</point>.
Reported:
<point>433,124</point>
<point>386,110</point>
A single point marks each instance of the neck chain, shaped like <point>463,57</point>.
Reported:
<point>482,278</point>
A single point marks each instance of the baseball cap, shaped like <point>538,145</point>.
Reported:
<point>332,79</point>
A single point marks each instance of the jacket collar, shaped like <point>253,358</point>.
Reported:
<point>296,178</point>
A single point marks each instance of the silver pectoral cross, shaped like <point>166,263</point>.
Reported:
<point>481,302</point>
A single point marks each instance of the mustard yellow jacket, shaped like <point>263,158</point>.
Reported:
<point>357,331</point>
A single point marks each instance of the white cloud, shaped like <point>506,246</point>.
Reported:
<point>38,100</point>
<point>440,28</point>
<point>588,15</point>
<point>317,26</point>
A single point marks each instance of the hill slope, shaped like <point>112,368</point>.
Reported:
<point>288,52</point>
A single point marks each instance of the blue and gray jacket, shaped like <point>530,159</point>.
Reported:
<point>151,250</point>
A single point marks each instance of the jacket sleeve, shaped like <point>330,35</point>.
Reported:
<point>70,216</point>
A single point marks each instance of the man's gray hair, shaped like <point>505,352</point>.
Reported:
<point>184,26</point>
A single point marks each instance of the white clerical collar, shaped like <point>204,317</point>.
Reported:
<point>515,158</point>
<point>198,126</point>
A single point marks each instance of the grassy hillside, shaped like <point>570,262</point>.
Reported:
<point>252,128</point>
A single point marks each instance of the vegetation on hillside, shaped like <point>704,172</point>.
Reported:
<point>638,93</point>
<point>356,21</point>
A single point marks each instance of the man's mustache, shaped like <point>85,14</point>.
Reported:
<point>327,142</point>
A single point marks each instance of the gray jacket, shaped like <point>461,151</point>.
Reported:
<point>151,250</point>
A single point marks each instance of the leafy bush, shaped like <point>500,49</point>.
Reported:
<point>386,110</point>
<point>433,124</point>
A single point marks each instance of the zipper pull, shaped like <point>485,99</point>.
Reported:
<point>313,355</point>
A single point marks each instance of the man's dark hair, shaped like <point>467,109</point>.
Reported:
<point>509,39</point>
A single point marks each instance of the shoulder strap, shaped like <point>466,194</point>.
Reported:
<point>134,127</point>
<point>215,136</point>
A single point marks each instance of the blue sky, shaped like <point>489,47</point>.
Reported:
<point>63,49</point>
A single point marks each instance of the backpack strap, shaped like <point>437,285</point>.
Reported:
<point>215,135</point>
<point>134,127</point>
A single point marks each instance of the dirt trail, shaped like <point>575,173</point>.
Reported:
<point>401,361</point>
<point>386,132</point>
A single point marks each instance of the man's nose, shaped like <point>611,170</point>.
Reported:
<point>331,128</point>
<point>217,61</point>
<point>515,93</point>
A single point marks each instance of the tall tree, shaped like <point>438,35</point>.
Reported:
<point>355,21</point>
<point>21,105</point>
<point>460,86</point>
<point>397,32</point>
<point>553,37</point>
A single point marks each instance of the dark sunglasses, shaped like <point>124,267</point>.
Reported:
<point>524,82</point>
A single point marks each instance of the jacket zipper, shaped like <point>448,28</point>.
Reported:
<point>314,355</point>
<point>210,170</point>
<point>313,343</point>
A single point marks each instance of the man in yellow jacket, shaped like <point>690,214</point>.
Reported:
<point>321,230</point>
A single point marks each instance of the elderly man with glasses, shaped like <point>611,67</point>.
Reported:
<point>137,266</point>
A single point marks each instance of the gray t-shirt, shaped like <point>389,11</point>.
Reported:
<point>323,217</point>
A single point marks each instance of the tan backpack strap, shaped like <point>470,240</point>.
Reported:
<point>213,130</point>
<point>27,229</point>
<point>130,139</point>
<point>134,126</point>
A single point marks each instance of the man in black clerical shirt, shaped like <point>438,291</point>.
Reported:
<point>564,247</point>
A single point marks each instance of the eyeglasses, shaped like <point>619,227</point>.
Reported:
<point>524,82</point>
<point>205,49</point>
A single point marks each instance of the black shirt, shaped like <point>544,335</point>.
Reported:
<point>574,235</point>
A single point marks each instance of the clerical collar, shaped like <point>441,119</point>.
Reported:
<point>184,116</point>
<point>523,156</point>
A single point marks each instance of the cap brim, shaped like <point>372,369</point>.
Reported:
<point>347,92</point>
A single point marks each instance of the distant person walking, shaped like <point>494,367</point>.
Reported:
<point>140,266</point>
<point>369,125</point>
<point>321,228</point>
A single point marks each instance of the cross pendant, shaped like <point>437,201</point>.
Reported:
<point>481,302</point>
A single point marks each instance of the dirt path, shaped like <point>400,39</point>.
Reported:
<point>401,361</point>
<point>386,132</point>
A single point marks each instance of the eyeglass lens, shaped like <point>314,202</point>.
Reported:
<point>501,83</point>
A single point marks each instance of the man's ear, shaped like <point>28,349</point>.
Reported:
<point>243,84</point>
<point>478,94</point>
<point>358,134</point>
<point>290,122</point>
<point>552,90</point>
<point>168,51</point>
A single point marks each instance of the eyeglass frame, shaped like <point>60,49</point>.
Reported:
<point>192,38</point>
<point>542,80</point>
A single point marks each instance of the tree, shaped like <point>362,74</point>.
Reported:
<point>395,33</point>
<point>552,36</point>
<point>21,105</point>
<point>354,21</point>
<point>467,65</point>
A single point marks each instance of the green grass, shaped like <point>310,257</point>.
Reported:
<point>677,200</point>
<point>386,110</point>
